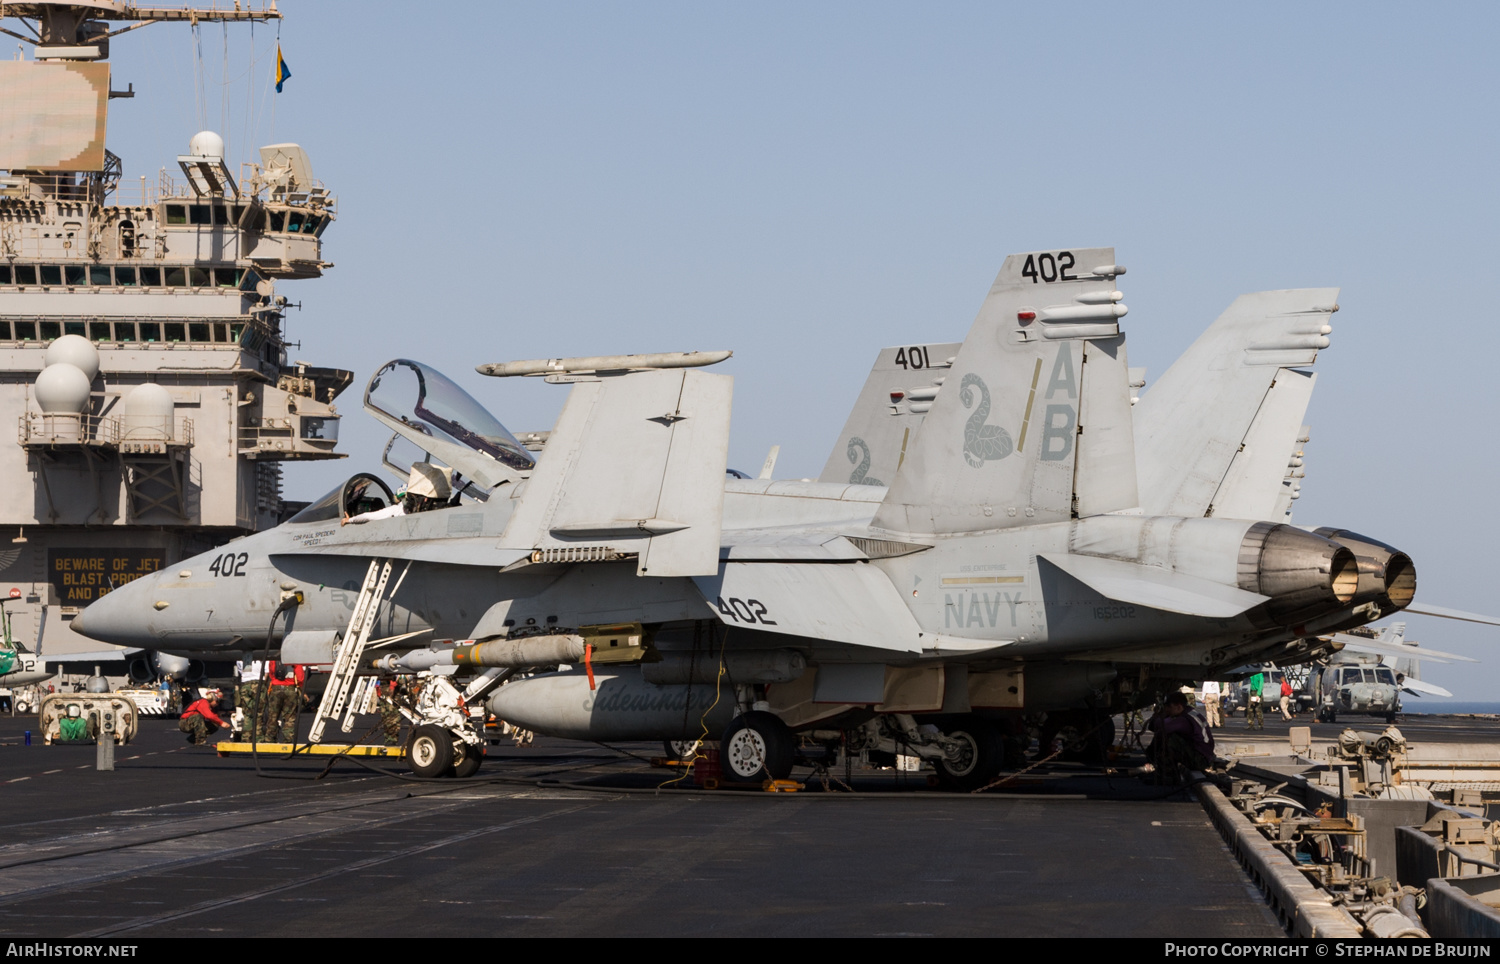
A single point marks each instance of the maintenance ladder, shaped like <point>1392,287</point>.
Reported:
<point>336,704</point>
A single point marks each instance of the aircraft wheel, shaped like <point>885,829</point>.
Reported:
<point>1087,736</point>
<point>979,759</point>
<point>468,765</point>
<point>680,749</point>
<point>1390,718</point>
<point>757,746</point>
<point>430,751</point>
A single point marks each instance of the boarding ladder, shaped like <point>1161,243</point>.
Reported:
<point>336,704</point>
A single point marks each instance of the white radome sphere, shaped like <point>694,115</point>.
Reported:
<point>77,351</point>
<point>62,389</point>
<point>147,412</point>
<point>206,144</point>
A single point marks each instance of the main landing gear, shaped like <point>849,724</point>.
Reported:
<point>757,746</point>
<point>972,757</point>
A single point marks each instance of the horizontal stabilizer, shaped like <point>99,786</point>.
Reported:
<point>854,604</point>
<point>1360,644</point>
<point>1459,614</point>
<point>945,645</point>
<point>1419,687</point>
<point>1173,592</point>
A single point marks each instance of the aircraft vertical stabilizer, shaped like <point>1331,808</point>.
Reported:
<point>1268,463</point>
<point>634,465</point>
<point>1195,422</point>
<point>1104,478</point>
<point>1033,423</point>
<point>881,427</point>
<point>1395,635</point>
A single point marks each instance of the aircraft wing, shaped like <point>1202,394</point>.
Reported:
<point>854,604</point>
<point>1360,644</point>
<point>1459,614</point>
<point>1157,588</point>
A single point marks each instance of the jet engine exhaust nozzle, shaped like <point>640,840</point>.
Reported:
<point>1305,575</point>
<point>1386,574</point>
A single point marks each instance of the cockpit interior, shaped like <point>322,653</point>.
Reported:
<point>434,421</point>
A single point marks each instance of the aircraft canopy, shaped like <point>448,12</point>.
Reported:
<point>430,402</point>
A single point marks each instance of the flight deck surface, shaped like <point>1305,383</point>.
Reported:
<point>179,842</point>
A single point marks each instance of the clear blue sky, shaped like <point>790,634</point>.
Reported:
<point>806,183</point>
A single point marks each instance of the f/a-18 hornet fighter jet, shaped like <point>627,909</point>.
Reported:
<point>620,588</point>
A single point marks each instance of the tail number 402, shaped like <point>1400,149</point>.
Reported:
<point>745,611</point>
<point>229,564</point>
<point>1046,267</point>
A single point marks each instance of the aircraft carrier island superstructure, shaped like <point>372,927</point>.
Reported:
<point>143,363</point>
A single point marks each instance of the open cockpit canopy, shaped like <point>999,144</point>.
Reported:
<point>421,403</point>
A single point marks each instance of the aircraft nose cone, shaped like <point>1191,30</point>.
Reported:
<point>121,617</point>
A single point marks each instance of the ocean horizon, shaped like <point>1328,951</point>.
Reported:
<point>1420,706</point>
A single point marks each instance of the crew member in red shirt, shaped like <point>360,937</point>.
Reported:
<point>199,720</point>
<point>284,699</point>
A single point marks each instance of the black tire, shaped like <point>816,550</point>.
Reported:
<point>429,752</point>
<point>981,759</point>
<point>757,746</point>
<point>678,749</point>
<point>1087,735</point>
<point>469,763</point>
